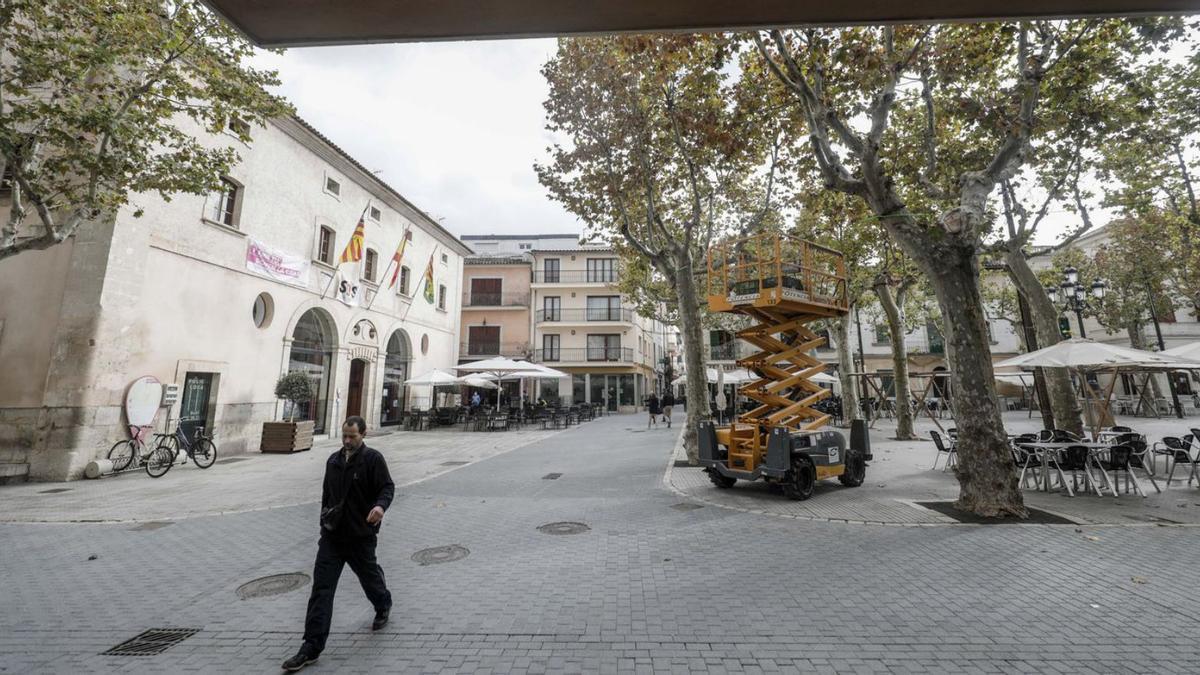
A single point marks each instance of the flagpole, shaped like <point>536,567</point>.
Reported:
<point>391,262</point>
<point>361,219</point>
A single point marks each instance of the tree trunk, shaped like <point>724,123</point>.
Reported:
<point>841,335</point>
<point>895,319</point>
<point>693,353</point>
<point>986,472</point>
<point>1064,405</point>
<point>1137,340</point>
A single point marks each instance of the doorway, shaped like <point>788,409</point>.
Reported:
<point>193,410</point>
<point>354,395</point>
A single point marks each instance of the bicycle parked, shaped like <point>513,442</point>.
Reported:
<point>159,460</point>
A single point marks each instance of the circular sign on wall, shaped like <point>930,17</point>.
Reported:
<point>425,343</point>
<point>142,401</point>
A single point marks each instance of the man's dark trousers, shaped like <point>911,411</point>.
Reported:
<point>332,554</point>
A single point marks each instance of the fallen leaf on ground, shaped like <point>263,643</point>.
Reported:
<point>1091,538</point>
<point>1138,580</point>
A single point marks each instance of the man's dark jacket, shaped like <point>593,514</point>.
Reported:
<point>365,482</point>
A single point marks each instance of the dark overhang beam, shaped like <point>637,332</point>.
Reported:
<point>294,23</point>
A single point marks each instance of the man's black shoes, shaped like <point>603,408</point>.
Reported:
<point>381,618</point>
<point>301,659</point>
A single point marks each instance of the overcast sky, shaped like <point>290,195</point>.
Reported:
<point>453,126</point>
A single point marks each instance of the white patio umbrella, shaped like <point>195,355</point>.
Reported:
<point>1190,351</point>
<point>433,378</point>
<point>1083,355</point>
<point>478,381</point>
<point>498,366</point>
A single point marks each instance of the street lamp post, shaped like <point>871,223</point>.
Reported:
<point>1074,295</point>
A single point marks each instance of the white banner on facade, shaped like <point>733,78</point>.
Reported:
<point>349,291</point>
<point>275,264</point>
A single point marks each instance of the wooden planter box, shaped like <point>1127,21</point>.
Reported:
<point>287,436</point>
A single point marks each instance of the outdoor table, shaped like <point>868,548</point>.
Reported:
<point>1093,459</point>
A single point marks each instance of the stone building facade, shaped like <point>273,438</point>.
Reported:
<point>220,295</point>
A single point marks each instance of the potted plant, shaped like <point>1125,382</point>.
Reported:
<point>290,436</point>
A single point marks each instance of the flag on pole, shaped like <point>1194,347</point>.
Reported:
<point>429,280</point>
<point>397,257</point>
<point>354,247</point>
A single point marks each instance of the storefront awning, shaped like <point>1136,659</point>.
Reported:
<point>280,23</point>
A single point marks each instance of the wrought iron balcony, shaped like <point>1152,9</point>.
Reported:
<point>603,276</point>
<point>584,354</point>
<point>584,315</point>
<point>472,300</point>
<point>486,349</point>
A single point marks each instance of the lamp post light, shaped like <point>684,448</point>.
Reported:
<point>1074,296</point>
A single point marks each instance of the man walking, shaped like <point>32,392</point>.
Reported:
<point>668,402</point>
<point>356,492</point>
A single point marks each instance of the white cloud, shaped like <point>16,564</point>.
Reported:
<point>453,126</point>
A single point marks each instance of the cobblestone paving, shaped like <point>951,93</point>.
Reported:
<point>649,588</point>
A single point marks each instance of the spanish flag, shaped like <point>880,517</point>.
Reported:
<point>354,248</point>
<point>429,280</point>
<point>399,255</point>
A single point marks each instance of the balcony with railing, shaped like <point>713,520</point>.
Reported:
<point>584,315</point>
<point>601,276</point>
<point>486,349</point>
<point>584,355</point>
<point>484,300</point>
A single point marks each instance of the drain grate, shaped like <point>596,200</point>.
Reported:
<point>552,476</point>
<point>151,642</point>
<point>440,554</point>
<point>684,506</point>
<point>276,584</point>
<point>155,525</point>
<point>454,463</point>
<point>52,491</point>
<point>1036,516</point>
<point>563,528</point>
<point>232,460</point>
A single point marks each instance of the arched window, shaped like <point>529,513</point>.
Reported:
<point>312,353</point>
<point>395,372</point>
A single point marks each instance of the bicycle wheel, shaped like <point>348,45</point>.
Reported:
<point>159,462</point>
<point>121,455</point>
<point>204,453</point>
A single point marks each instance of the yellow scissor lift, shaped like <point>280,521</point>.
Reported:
<point>781,284</point>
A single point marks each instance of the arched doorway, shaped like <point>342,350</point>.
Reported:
<point>395,372</point>
<point>312,353</point>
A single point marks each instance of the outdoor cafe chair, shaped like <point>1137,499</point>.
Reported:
<point>1027,458</point>
<point>1122,459</point>
<point>1178,450</point>
<point>951,452</point>
<point>1073,459</point>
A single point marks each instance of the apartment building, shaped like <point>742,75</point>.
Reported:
<point>496,317</point>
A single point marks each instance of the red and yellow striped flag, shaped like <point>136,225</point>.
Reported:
<point>354,248</point>
<point>399,255</point>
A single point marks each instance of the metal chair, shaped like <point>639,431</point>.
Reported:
<point>1178,450</point>
<point>951,452</point>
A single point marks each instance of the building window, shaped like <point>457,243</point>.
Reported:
<point>601,270</point>
<point>442,297</point>
<point>483,340</point>
<point>370,265</point>
<point>552,308</point>
<point>404,274</point>
<point>603,347</point>
<point>486,292</point>
<point>721,345</point>
<point>445,258</point>
<point>325,245</point>
<point>223,204</point>
<point>937,344</point>
<point>883,336</point>
<point>550,347</point>
<point>239,127</point>
<point>525,247</point>
<point>264,308</point>
<point>603,307</point>
<point>375,214</point>
<point>550,270</point>
<point>333,187</point>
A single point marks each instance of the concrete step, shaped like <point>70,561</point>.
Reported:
<point>12,472</point>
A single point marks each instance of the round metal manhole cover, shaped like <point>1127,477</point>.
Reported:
<point>563,528</point>
<point>440,554</point>
<point>276,584</point>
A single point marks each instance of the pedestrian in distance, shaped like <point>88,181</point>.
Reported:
<point>475,400</point>
<point>668,402</point>
<point>653,407</point>
<point>357,491</point>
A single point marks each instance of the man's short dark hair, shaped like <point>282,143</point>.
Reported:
<point>358,422</point>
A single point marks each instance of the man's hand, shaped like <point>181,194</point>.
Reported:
<point>375,516</point>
